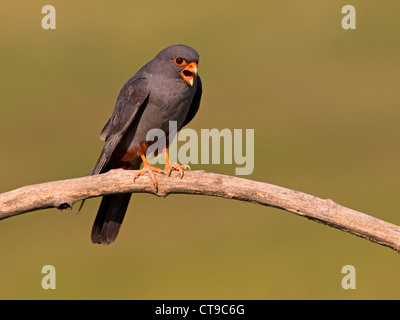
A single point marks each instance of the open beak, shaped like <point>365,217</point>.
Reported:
<point>189,73</point>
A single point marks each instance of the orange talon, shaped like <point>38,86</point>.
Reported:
<point>173,166</point>
<point>149,169</point>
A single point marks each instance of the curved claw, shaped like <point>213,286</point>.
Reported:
<point>175,166</point>
<point>150,170</point>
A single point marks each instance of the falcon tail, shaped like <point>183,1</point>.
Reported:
<point>111,212</point>
<point>109,218</point>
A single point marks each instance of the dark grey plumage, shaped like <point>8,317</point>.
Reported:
<point>155,95</point>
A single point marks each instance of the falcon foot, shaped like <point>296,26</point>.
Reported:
<point>150,170</point>
<point>174,166</point>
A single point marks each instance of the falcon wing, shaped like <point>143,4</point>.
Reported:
<point>134,95</point>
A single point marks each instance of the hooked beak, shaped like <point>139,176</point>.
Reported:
<point>189,73</point>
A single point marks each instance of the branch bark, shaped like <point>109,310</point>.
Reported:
<point>64,193</point>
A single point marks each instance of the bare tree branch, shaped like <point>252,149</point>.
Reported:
<point>63,194</point>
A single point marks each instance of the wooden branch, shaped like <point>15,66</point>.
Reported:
<point>63,194</point>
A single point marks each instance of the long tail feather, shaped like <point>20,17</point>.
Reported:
<point>109,218</point>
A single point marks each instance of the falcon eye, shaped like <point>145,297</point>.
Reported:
<point>179,61</point>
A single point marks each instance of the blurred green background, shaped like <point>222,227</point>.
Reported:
<point>325,106</point>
